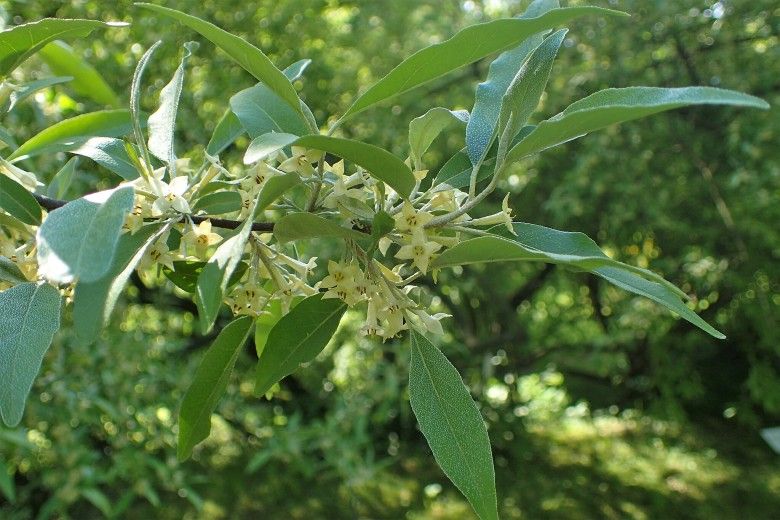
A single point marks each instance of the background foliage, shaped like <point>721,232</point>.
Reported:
<point>599,404</point>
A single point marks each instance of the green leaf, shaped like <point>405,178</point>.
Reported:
<point>109,153</point>
<point>185,274</point>
<point>30,317</point>
<point>467,46</point>
<point>98,499</point>
<point>381,225</point>
<point>304,226</point>
<point>8,139</point>
<point>78,240</point>
<point>274,188</point>
<point>380,163</point>
<point>523,95</point>
<point>86,80</point>
<point>214,279</point>
<point>162,124</point>
<point>9,272</point>
<point>297,338</point>
<point>104,123</point>
<point>93,302</point>
<point>616,105</point>
<point>575,250</point>
<point>28,89</point>
<point>261,110</point>
<point>58,187</point>
<point>456,172</point>
<point>209,384</point>
<point>16,200</point>
<point>425,129</point>
<point>265,323</point>
<point>7,486</point>
<point>20,42</point>
<point>481,129</point>
<point>245,54</point>
<point>218,203</point>
<point>227,130</point>
<point>452,425</point>
<point>266,145</point>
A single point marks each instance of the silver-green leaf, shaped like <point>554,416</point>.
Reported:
<point>305,226</point>
<point>30,316</point>
<point>452,425</point>
<point>616,105</point>
<point>467,46</point>
<point>425,129</point>
<point>162,124</point>
<point>78,240</point>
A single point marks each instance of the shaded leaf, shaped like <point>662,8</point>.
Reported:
<point>93,302</point>
<point>31,316</point>
<point>185,274</point>
<point>218,203</point>
<point>452,425</point>
<point>58,187</point>
<point>10,272</point>
<point>576,250</point>
<point>16,200</point>
<point>261,110</point>
<point>304,226</point>
<point>227,130</point>
<point>209,384</point>
<point>297,338</point>
<point>109,153</point>
<point>274,188</point>
<point>425,129</point>
<point>78,240</point>
<point>267,144</point>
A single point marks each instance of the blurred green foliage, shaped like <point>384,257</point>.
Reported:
<point>694,195</point>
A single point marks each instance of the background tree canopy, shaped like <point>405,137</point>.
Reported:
<point>599,403</point>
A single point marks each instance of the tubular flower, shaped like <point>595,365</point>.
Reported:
<point>301,161</point>
<point>410,220</point>
<point>169,195</point>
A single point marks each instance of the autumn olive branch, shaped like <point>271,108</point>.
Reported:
<point>52,204</point>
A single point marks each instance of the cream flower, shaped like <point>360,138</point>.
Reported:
<point>502,217</point>
<point>169,195</point>
<point>301,161</point>
<point>419,251</point>
<point>200,237</point>
<point>410,220</point>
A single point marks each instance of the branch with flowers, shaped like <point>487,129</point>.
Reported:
<point>231,234</point>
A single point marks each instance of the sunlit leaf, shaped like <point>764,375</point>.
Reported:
<point>78,240</point>
<point>86,80</point>
<point>261,110</point>
<point>58,187</point>
<point>104,123</point>
<point>20,42</point>
<point>297,338</point>
<point>452,425</point>
<point>481,129</point>
<point>28,89</point>
<point>616,105</point>
<point>380,163</point>
<point>209,384</point>
<point>109,153</point>
<point>245,54</point>
<point>467,46</point>
<point>162,123</point>
<point>31,316</point>
<point>266,145</point>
